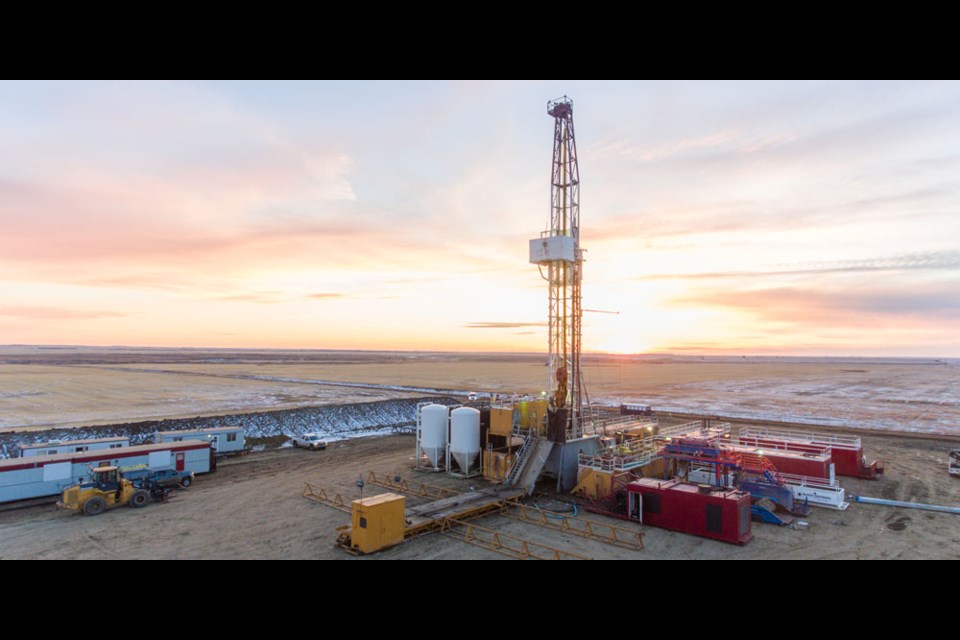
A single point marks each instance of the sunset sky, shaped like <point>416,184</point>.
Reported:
<point>800,218</point>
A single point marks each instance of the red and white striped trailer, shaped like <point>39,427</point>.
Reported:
<point>846,450</point>
<point>41,476</point>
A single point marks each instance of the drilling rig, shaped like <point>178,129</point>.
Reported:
<point>558,255</point>
<point>555,429</point>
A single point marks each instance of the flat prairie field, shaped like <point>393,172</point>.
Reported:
<point>253,507</point>
<point>43,387</point>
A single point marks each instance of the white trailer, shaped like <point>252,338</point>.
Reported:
<point>224,440</point>
<point>41,476</point>
<point>55,447</point>
<point>817,491</point>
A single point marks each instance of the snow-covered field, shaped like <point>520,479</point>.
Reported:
<point>347,394</point>
<point>923,406</point>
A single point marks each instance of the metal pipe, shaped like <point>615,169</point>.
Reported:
<point>907,505</point>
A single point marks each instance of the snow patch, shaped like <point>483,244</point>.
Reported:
<point>335,422</point>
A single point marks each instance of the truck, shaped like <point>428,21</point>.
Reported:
<point>162,477</point>
<point>312,441</point>
<point>954,467</point>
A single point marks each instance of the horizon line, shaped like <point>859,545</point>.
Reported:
<point>729,354</point>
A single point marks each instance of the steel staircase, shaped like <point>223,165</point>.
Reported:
<point>758,465</point>
<point>529,463</point>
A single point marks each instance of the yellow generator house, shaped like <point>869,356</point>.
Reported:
<point>378,523</point>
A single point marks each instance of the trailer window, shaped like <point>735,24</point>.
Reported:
<point>231,437</point>
<point>116,446</point>
<point>59,471</point>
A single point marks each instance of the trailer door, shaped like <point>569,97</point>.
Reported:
<point>714,518</point>
<point>181,460</point>
<point>635,511</point>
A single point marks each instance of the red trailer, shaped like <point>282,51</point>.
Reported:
<point>809,465</point>
<point>712,512</point>
<point>813,462</point>
<point>846,451</point>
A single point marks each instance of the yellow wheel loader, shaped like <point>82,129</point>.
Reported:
<point>106,489</point>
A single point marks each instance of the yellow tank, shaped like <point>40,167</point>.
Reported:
<point>599,485</point>
<point>501,421</point>
<point>378,522</point>
<point>496,464</point>
<point>533,414</point>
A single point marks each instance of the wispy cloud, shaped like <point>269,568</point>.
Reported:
<point>168,282</point>
<point>149,224</point>
<point>503,325</point>
<point>267,297</point>
<point>729,141</point>
<point>725,215</point>
<point>56,313</point>
<point>324,296</point>
<point>925,261</point>
<point>792,305</point>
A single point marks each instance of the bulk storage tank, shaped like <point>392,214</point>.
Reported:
<point>465,437</point>
<point>433,432</point>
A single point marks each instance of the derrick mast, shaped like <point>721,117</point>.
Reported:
<point>560,260</point>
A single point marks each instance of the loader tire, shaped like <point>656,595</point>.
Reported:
<point>140,498</point>
<point>95,506</point>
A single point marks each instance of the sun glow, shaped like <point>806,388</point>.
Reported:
<point>624,345</point>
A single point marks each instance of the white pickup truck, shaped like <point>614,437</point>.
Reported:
<point>312,441</point>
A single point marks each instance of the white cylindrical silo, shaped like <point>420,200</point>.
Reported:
<point>433,431</point>
<point>465,436</point>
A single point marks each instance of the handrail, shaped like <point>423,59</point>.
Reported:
<point>519,460</point>
<point>804,437</point>
<point>760,444</point>
<point>807,481</point>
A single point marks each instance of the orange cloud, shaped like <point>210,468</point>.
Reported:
<point>55,313</point>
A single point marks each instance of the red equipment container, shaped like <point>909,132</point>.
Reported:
<point>846,451</point>
<point>811,464</point>
<point>720,514</point>
<point>800,464</point>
